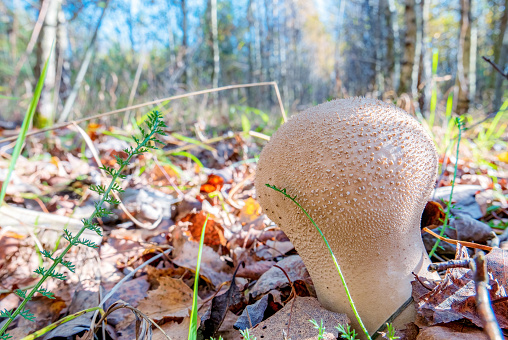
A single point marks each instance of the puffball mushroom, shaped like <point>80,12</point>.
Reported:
<point>363,169</point>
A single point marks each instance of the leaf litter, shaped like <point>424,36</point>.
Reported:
<point>239,286</point>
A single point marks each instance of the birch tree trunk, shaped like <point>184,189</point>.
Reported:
<point>463,58</point>
<point>425,78</point>
<point>45,114</point>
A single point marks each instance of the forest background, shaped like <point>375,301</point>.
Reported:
<point>417,54</point>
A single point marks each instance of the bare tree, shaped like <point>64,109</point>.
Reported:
<point>215,44</point>
<point>501,57</point>
<point>45,113</point>
<point>408,59</point>
<point>393,44</point>
<point>463,58</point>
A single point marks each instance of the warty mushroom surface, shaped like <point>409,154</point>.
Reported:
<point>363,169</point>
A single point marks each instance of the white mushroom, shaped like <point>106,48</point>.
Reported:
<point>363,169</point>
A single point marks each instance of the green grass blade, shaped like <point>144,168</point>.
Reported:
<point>496,119</point>
<point>189,155</point>
<point>433,98</point>
<point>24,127</point>
<point>8,98</point>
<point>193,326</point>
<point>192,141</point>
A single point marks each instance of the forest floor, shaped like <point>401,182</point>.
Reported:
<point>168,195</point>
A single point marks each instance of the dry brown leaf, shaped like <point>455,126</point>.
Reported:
<point>454,297</point>
<point>250,211</point>
<point>212,268</point>
<point>172,299</point>
<point>46,311</point>
<point>299,311</point>
<point>214,183</point>
<point>214,232</point>
<point>452,331</point>
<point>274,278</point>
<point>175,330</point>
<point>433,215</point>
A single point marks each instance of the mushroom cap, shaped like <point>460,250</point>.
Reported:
<point>363,169</point>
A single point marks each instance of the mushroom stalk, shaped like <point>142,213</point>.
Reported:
<point>363,170</point>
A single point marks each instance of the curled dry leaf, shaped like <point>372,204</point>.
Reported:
<point>214,317</point>
<point>454,297</point>
<point>214,183</point>
<point>214,232</point>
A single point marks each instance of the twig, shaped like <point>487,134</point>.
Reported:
<point>436,267</point>
<point>497,68</point>
<point>128,277</point>
<point>452,241</point>
<point>483,306</point>
<point>293,293</point>
<point>158,101</point>
<point>421,282</point>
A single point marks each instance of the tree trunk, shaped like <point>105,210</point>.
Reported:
<point>45,114</point>
<point>215,43</point>
<point>463,58</point>
<point>185,46</point>
<point>408,58</point>
<point>380,55</point>
<point>392,45</point>
<point>503,64</point>
<point>425,69</point>
<point>500,58</point>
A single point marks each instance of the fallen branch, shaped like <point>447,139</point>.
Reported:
<point>483,305</point>
<point>463,243</point>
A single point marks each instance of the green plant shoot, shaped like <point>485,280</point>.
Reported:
<point>193,325</point>
<point>24,127</point>
<point>460,124</point>
<point>146,142</point>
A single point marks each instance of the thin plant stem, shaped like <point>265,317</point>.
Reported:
<point>87,224</point>
<point>283,191</point>
<point>193,324</point>
<point>449,203</point>
<point>54,325</point>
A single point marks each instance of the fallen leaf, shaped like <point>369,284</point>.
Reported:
<point>250,211</point>
<point>213,318</point>
<point>452,331</point>
<point>214,183</point>
<point>212,268</point>
<point>176,330</point>
<point>296,315</point>
<point>454,297</point>
<point>433,215</point>
<point>214,232</point>
<point>274,278</point>
<point>132,292</point>
<point>253,314</point>
<point>172,299</point>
